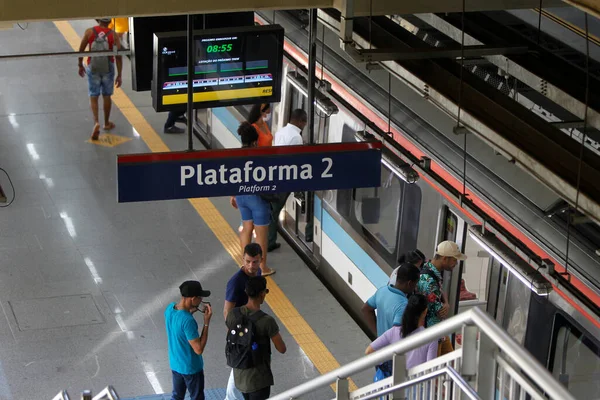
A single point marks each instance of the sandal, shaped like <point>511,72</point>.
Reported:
<point>96,132</point>
<point>111,125</point>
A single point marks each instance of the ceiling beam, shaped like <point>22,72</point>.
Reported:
<point>387,7</point>
<point>588,6</point>
<point>35,10</point>
<point>49,10</point>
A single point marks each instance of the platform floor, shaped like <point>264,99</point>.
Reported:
<point>84,280</point>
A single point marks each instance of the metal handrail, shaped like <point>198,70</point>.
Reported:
<point>108,393</point>
<point>451,372</point>
<point>63,395</point>
<point>529,365</point>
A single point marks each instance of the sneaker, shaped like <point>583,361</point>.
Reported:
<point>464,292</point>
<point>174,129</point>
<point>273,246</point>
<point>181,120</point>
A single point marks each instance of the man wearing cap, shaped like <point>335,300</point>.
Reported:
<point>446,257</point>
<point>186,345</point>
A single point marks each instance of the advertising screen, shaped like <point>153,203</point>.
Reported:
<point>231,66</point>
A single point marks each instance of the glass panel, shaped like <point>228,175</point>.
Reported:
<point>502,293</point>
<point>376,209</point>
<point>451,227</point>
<point>576,363</point>
<point>516,309</point>
<point>475,272</point>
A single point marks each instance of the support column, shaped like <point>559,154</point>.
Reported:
<point>190,80</point>
<point>468,369</point>
<point>342,391</point>
<point>486,367</point>
<point>312,66</point>
<point>399,375</point>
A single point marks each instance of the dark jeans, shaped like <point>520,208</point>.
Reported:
<point>172,117</point>
<point>262,394</point>
<point>193,383</point>
<point>276,208</point>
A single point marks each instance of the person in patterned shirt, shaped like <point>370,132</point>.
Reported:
<point>430,283</point>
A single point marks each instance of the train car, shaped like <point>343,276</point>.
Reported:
<point>352,239</point>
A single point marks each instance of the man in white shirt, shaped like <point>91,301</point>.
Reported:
<point>289,135</point>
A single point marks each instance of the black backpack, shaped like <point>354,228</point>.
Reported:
<point>243,348</point>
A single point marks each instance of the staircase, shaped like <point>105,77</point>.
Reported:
<point>490,365</point>
<point>209,394</point>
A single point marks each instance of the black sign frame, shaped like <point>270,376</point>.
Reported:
<point>178,40</point>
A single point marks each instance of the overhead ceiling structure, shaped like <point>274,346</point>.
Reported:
<point>35,10</point>
<point>588,6</point>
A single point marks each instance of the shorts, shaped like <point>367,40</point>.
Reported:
<point>254,208</point>
<point>101,84</point>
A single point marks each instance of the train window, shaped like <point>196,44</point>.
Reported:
<point>451,227</point>
<point>575,360</point>
<point>376,209</point>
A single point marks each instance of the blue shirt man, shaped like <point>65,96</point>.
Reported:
<point>186,345</point>
<point>235,296</point>
<point>390,301</point>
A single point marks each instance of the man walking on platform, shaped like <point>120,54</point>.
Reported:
<point>100,70</point>
<point>235,296</point>
<point>289,135</point>
<point>186,345</point>
<point>446,257</point>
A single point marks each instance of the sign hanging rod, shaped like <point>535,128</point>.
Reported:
<point>65,54</point>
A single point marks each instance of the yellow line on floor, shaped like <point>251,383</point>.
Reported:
<point>296,325</point>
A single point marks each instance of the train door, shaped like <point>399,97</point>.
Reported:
<point>474,282</point>
<point>575,359</point>
<point>482,281</point>
<point>300,205</point>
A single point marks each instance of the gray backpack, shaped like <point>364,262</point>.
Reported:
<point>100,64</point>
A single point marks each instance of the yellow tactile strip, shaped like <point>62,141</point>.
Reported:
<point>304,335</point>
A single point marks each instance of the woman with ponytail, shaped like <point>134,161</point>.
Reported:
<point>255,211</point>
<point>413,321</point>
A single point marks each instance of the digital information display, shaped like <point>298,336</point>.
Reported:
<point>231,66</point>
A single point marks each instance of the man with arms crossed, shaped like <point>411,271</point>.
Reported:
<point>446,257</point>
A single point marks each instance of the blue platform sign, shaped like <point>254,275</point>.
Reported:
<point>262,170</point>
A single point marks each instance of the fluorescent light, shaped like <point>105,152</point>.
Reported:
<point>93,270</point>
<point>69,224</point>
<point>13,120</point>
<point>151,376</point>
<point>299,87</point>
<point>539,286</point>
<point>404,172</point>
<point>32,152</point>
<point>294,81</point>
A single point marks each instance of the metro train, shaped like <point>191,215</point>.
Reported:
<point>356,236</point>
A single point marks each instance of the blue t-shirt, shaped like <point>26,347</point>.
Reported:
<point>181,328</point>
<point>390,304</point>
<point>236,288</point>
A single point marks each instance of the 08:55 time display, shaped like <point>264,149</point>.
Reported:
<point>219,48</point>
